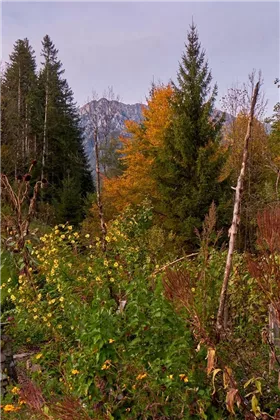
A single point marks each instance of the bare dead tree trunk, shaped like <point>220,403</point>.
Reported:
<point>236,216</point>
<point>98,191</point>
<point>277,183</point>
<point>44,153</point>
<point>18,134</point>
<point>274,335</point>
<point>26,132</point>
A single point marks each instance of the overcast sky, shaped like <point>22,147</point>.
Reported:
<point>126,45</point>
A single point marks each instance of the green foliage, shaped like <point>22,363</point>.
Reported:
<point>188,166</point>
<point>106,332</point>
<point>40,122</point>
<point>19,108</point>
<point>64,156</point>
<point>70,202</point>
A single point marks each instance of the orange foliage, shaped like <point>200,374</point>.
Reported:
<point>136,183</point>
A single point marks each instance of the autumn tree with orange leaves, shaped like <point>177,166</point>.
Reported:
<point>137,181</point>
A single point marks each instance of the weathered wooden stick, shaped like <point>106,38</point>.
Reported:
<point>98,191</point>
<point>236,216</point>
<point>174,262</point>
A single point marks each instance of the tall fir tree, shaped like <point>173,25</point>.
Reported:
<point>188,166</point>
<point>61,135</point>
<point>19,109</point>
<point>2,117</point>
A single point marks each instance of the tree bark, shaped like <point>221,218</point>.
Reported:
<point>44,153</point>
<point>274,335</point>
<point>220,324</point>
<point>98,191</point>
<point>18,133</point>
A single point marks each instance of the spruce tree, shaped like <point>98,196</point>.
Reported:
<point>19,109</point>
<point>2,120</point>
<point>61,135</point>
<point>188,166</point>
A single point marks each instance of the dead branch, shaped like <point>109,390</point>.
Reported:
<point>174,262</point>
<point>98,191</point>
<point>236,216</point>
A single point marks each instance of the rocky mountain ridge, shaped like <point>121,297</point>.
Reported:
<point>114,113</point>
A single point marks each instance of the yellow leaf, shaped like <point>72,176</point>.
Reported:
<point>211,356</point>
<point>226,377</point>
<point>254,403</point>
<point>213,379</point>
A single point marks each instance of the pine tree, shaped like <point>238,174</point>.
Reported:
<point>70,202</point>
<point>61,135</point>
<point>2,119</point>
<point>188,166</point>
<point>19,108</point>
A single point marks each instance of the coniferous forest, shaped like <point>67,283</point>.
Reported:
<point>142,280</point>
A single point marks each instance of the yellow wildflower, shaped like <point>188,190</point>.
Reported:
<point>61,299</point>
<point>141,376</point>
<point>75,372</point>
<point>106,365</point>
<point>9,407</point>
<point>70,227</point>
<point>170,376</point>
<point>184,377</point>
<point>62,236</point>
<point>13,298</point>
<point>193,289</point>
<point>15,390</point>
<point>116,264</point>
<point>87,235</point>
<point>112,280</point>
<point>9,280</point>
<point>38,356</point>
<point>107,238</point>
<point>111,340</point>
<point>59,326</point>
<point>56,231</point>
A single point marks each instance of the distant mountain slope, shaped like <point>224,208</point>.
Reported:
<point>119,113</point>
